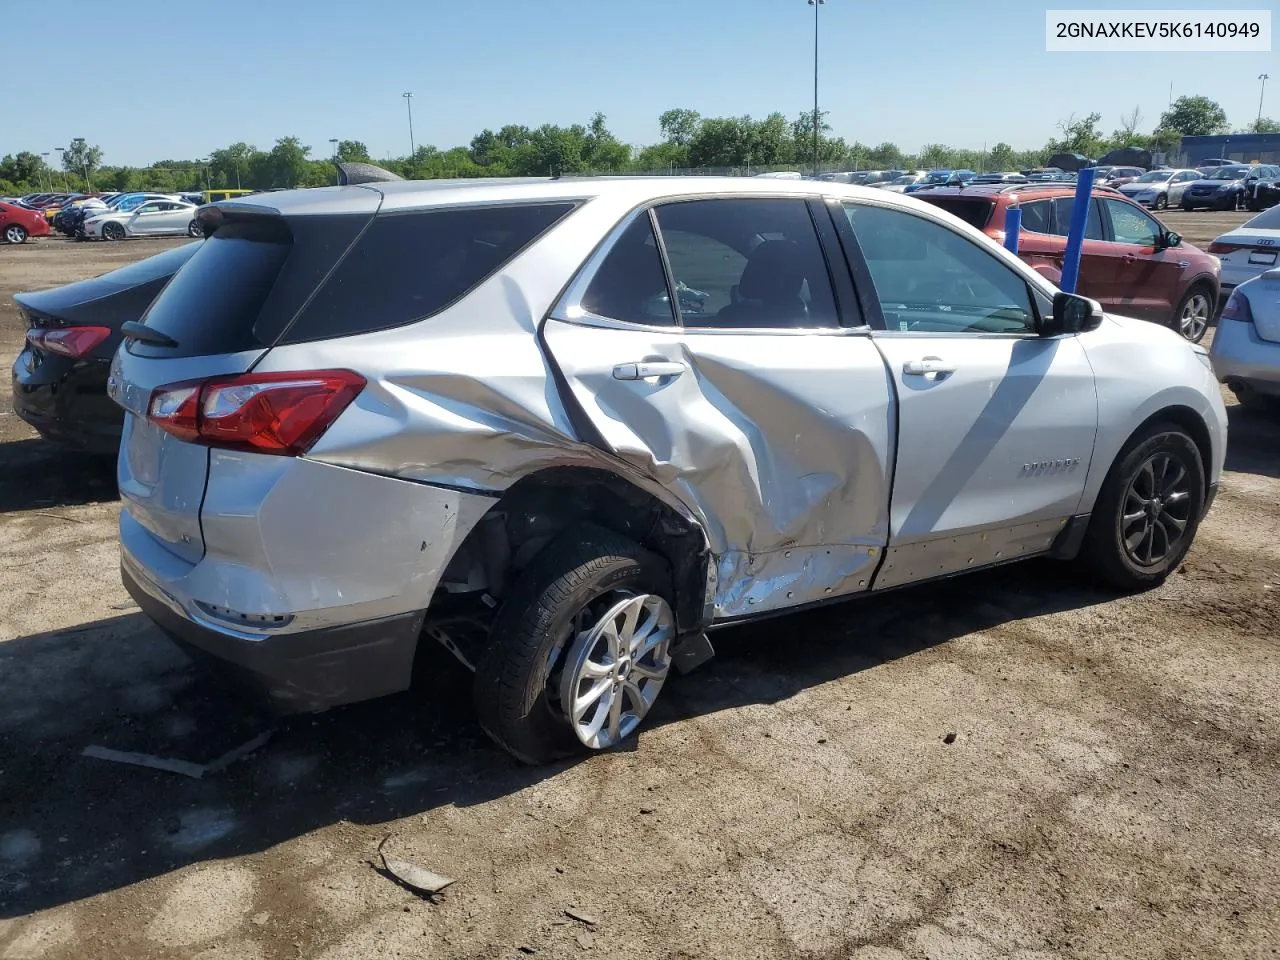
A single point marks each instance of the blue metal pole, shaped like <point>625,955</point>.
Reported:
<point>1012,228</point>
<point>1075,235</point>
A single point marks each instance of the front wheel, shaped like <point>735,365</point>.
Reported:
<point>1148,510</point>
<point>15,233</point>
<point>579,650</point>
<point>1191,317</point>
<point>1162,202</point>
<point>112,231</point>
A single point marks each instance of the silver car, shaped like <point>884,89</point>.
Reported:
<point>1246,345</point>
<point>157,217</point>
<point>1159,188</point>
<point>566,427</point>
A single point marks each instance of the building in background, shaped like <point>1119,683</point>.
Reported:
<point>1241,147</point>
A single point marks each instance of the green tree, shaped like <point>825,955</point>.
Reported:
<point>286,165</point>
<point>680,126</point>
<point>1079,136</point>
<point>81,159</point>
<point>24,167</point>
<point>1261,125</point>
<point>353,151</point>
<point>1195,117</point>
<point>1000,157</point>
<point>886,156</point>
<point>1127,133</point>
<point>231,166</point>
<point>935,155</point>
<point>602,151</point>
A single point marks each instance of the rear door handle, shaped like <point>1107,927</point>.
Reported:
<point>927,367</point>
<point>648,370</point>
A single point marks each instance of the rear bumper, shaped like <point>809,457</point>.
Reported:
<point>299,672</point>
<point>1239,355</point>
<point>67,401</point>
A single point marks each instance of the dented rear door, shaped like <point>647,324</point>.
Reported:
<point>778,437</point>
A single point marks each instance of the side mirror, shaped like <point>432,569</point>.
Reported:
<point>1171,239</point>
<point>1071,314</point>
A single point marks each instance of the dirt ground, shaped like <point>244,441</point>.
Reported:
<point>1110,790</point>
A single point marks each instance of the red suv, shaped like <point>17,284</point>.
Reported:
<point>1132,263</point>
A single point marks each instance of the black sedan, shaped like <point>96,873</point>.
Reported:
<point>60,377</point>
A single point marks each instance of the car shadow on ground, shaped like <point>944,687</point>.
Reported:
<point>36,473</point>
<point>1253,442</point>
<point>73,826</point>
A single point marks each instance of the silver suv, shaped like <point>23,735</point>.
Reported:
<point>564,427</point>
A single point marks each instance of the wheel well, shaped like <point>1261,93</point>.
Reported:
<point>538,508</point>
<point>1190,421</point>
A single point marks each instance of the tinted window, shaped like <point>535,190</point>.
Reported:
<point>931,279</point>
<point>747,263</point>
<point>1131,225</point>
<point>408,266</point>
<point>152,268</point>
<point>1036,216</point>
<point>1062,218</point>
<point>1268,219</point>
<point>629,284</point>
<point>972,210</point>
<point>211,304</point>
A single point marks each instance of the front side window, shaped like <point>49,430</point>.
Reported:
<point>930,279</point>
<point>743,263</point>
<point>1062,218</point>
<point>1131,225</point>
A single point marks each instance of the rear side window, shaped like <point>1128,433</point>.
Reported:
<point>1062,218</point>
<point>972,210</point>
<point>408,266</point>
<point>1036,216</point>
<point>630,284</point>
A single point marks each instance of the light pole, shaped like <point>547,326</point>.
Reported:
<point>48,177</point>
<point>408,102</point>
<point>334,142</point>
<point>816,116</point>
<point>84,162</point>
<point>62,161</point>
<point>1264,77</point>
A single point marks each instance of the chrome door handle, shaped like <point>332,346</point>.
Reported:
<point>648,370</point>
<point>1129,258</point>
<point>928,367</point>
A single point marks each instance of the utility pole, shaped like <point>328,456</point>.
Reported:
<point>1264,77</point>
<point>817,122</point>
<point>408,102</point>
<point>48,175</point>
<point>334,141</point>
<point>62,161</point>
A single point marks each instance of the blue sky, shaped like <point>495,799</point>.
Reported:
<point>172,80</point>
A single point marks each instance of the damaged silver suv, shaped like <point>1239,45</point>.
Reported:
<point>565,427</point>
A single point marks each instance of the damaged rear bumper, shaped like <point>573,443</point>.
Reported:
<point>300,672</point>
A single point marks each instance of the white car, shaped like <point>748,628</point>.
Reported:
<point>155,218</point>
<point>1249,250</point>
<point>900,184</point>
<point>567,426</point>
<point>1159,188</point>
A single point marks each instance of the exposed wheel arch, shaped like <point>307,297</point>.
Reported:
<point>1188,420</point>
<point>536,509</point>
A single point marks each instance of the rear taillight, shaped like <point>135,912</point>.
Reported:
<point>1217,247</point>
<point>1237,308</point>
<point>281,413</point>
<point>74,342</point>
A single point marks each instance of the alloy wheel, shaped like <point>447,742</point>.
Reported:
<point>616,665</point>
<point>1194,318</point>
<point>1157,510</point>
<point>15,234</point>
<point>112,231</point>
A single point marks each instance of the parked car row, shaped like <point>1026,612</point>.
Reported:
<point>110,216</point>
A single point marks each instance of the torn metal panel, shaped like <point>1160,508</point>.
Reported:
<point>756,583</point>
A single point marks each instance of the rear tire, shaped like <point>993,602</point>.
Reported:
<point>1187,207</point>
<point>15,233</point>
<point>539,633</point>
<point>1192,314</point>
<point>1148,510</point>
<point>194,229</point>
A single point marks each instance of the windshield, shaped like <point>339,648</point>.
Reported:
<point>907,179</point>
<point>1155,176</point>
<point>938,176</point>
<point>1268,219</point>
<point>1228,173</point>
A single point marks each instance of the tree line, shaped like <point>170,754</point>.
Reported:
<point>690,142</point>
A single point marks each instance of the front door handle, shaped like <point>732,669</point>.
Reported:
<point>648,370</point>
<point>927,367</point>
<point>1129,258</point>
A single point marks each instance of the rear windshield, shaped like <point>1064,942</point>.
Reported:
<point>974,211</point>
<point>245,288</point>
<point>152,268</point>
<point>1268,219</point>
